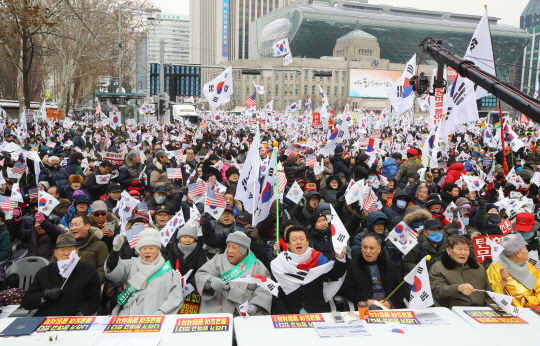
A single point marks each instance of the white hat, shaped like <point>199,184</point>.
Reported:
<point>149,237</point>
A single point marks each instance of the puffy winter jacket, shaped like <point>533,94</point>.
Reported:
<point>293,171</point>
<point>454,173</point>
<point>55,177</point>
<point>390,168</point>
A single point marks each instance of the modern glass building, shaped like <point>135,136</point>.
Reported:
<point>530,21</point>
<point>179,81</point>
<point>313,31</point>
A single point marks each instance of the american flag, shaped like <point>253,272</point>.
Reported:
<point>178,154</point>
<point>251,101</point>
<point>132,235</point>
<point>18,168</point>
<point>51,144</point>
<point>363,142</point>
<point>174,173</point>
<point>370,201</point>
<point>33,193</point>
<point>214,199</point>
<point>7,204</point>
<point>376,134</point>
<point>384,180</point>
<point>441,182</point>
<point>490,177</point>
<point>311,160</point>
<point>142,207</point>
<point>196,189</point>
<point>413,233</point>
<point>289,150</point>
<point>282,182</point>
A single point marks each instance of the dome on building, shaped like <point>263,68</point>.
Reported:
<point>357,34</point>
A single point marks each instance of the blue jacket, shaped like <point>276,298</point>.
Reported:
<point>55,177</point>
<point>390,168</point>
<point>66,220</point>
<point>468,166</point>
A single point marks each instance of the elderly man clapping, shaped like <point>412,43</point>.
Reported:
<point>213,280</point>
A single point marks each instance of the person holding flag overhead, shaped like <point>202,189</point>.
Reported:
<point>54,294</point>
<point>456,277</point>
<point>152,285</point>
<point>213,279</point>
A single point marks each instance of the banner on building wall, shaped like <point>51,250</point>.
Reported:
<point>371,83</point>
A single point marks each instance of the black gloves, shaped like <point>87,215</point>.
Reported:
<point>53,293</point>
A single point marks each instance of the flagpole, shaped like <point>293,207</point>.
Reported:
<point>428,257</point>
<point>275,144</point>
<point>257,173</point>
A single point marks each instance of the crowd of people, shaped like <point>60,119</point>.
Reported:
<point>194,269</point>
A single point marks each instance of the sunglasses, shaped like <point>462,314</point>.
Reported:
<point>99,214</point>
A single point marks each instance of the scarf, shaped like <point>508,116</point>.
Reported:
<point>186,249</point>
<point>144,271</point>
<point>293,271</point>
<point>519,271</point>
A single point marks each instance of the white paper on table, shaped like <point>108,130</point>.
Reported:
<point>101,324</point>
<point>333,330</point>
<point>429,319</point>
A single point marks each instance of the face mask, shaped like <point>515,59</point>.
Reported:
<point>466,221</point>
<point>527,235</point>
<point>401,203</point>
<point>329,218</point>
<point>239,229</point>
<point>160,199</point>
<point>435,237</point>
<point>494,218</point>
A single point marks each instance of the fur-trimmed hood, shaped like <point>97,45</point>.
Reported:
<point>450,264</point>
<point>157,164</point>
<point>415,215</point>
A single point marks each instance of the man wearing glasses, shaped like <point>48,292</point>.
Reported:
<point>107,222</point>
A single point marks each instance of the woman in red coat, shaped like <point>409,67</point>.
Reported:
<point>455,170</point>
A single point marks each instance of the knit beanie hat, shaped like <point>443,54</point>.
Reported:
<point>189,230</point>
<point>315,217</point>
<point>149,237</point>
<point>230,171</point>
<point>241,239</point>
<point>512,243</point>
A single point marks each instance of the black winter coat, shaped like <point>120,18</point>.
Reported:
<point>82,292</point>
<point>394,213</point>
<point>361,171</point>
<point>194,260</point>
<point>358,285</point>
<point>321,240</point>
<point>293,171</point>
<point>342,165</point>
<point>94,189</point>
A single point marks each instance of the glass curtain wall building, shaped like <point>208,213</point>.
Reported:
<point>313,31</point>
<point>530,21</point>
<point>183,81</point>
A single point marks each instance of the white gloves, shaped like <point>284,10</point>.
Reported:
<point>218,284</point>
<point>117,243</point>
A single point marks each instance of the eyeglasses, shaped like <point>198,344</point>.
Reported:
<point>100,214</point>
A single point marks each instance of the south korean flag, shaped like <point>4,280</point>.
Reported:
<point>46,203</point>
<point>421,296</point>
<point>219,89</point>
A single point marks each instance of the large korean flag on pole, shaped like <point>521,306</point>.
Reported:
<point>480,51</point>
<point>219,89</point>
<point>401,94</point>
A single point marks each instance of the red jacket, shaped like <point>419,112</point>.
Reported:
<point>454,173</point>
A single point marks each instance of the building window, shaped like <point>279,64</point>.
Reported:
<point>342,91</point>
<point>296,90</point>
<point>489,101</point>
<point>306,75</point>
<point>286,86</point>
<point>327,91</point>
<point>336,76</point>
<point>343,76</point>
<point>313,89</point>
<point>277,89</point>
<point>335,91</point>
<point>286,75</point>
<point>305,89</point>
